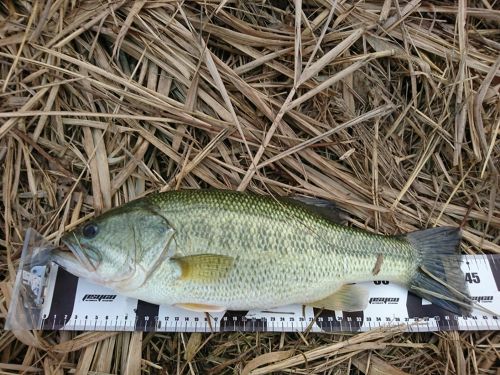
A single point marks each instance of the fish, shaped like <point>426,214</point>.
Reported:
<point>217,250</point>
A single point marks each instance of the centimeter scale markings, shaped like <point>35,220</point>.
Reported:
<point>48,297</point>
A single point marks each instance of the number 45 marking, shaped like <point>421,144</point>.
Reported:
<point>472,277</point>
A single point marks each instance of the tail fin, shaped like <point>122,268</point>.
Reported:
<point>439,278</point>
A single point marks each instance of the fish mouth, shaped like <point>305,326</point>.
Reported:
<point>77,254</point>
<point>69,262</point>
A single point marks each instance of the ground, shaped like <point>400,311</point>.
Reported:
<point>390,109</point>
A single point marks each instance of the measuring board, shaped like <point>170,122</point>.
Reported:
<point>47,297</point>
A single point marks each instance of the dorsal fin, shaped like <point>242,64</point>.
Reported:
<point>323,207</point>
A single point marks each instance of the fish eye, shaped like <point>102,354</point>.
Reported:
<point>90,230</point>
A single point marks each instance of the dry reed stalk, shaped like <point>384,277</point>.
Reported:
<point>389,108</point>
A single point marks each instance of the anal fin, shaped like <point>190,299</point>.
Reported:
<point>349,297</point>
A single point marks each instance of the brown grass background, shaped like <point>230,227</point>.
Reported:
<point>391,109</point>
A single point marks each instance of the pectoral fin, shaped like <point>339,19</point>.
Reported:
<point>199,307</point>
<point>348,298</point>
<point>204,267</point>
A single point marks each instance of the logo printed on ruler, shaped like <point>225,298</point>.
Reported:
<point>99,297</point>
<point>384,301</point>
<point>483,299</point>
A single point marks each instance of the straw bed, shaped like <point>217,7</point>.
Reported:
<point>391,109</point>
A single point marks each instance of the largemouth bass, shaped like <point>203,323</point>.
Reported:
<point>210,251</point>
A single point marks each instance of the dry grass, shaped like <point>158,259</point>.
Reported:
<point>390,109</point>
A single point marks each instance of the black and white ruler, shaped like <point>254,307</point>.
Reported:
<point>47,297</point>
